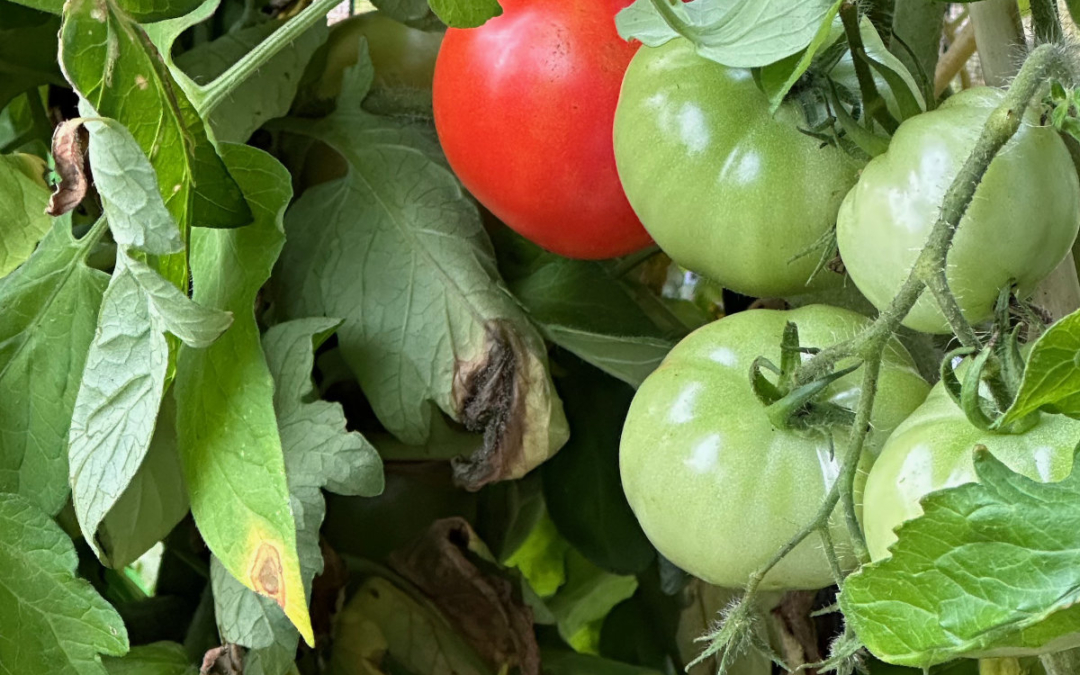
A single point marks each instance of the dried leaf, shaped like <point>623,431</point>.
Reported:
<point>448,565</point>
<point>69,150</point>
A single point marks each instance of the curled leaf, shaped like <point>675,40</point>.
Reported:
<point>69,150</point>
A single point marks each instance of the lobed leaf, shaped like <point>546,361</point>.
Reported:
<point>989,568</point>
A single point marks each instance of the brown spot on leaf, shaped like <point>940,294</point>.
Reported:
<point>266,573</point>
<point>485,605</point>
<point>69,150</point>
<point>489,395</point>
<point>228,659</point>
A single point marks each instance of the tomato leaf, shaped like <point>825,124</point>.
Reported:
<point>263,96</point>
<point>112,64</point>
<point>741,33</point>
<point>228,435</point>
<point>385,621</point>
<point>159,658</point>
<point>582,487</point>
<point>989,565</point>
<point>406,236</point>
<point>779,77</point>
<point>588,596</point>
<point>319,452</point>
<point>566,662</point>
<point>27,58</point>
<point>124,379</point>
<point>23,221</point>
<point>50,308</point>
<point>465,13</point>
<point>153,502</point>
<point>51,621</point>
<point>1051,377</point>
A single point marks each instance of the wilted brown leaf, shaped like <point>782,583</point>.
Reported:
<point>69,150</point>
<point>451,566</point>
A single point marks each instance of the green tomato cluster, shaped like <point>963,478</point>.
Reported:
<point>735,193</point>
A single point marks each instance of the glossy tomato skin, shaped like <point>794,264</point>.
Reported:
<point>1020,225</point>
<point>932,450</point>
<point>715,486</point>
<point>724,187</point>
<point>523,109</point>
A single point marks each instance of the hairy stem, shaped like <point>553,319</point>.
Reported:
<point>217,91</point>
<point>1044,15</point>
<point>938,284</point>
<point>874,105</point>
<point>850,466</point>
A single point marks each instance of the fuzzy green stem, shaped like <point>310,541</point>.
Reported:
<point>1044,15</point>
<point>938,284</point>
<point>1062,663</point>
<point>210,96</point>
<point>873,105</point>
<point>1000,127</point>
<point>860,429</point>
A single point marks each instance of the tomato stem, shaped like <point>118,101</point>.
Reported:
<point>1044,15</point>
<point>873,105</point>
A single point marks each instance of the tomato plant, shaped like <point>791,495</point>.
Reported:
<point>886,219</point>
<point>523,107</point>
<point>723,186</point>
<point>281,393</point>
<point>703,465</point>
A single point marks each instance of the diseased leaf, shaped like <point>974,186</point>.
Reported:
<point>465,13</point>
<point>69,152</point>
<point>739,33</point>
<point>228,435</point>
<point>113,65</point>
<point>988,565</point>
<point>51,621</point>
<point>396,249</point>
<point>22,219</point>
<point>159,658</point>
<point>154,501</point>
<point>453,568</point>
<point>1051,376</point>
<point>385,622</point>
<point>49,308</point>
<point>319,452</point>
<point>263,96</point>
<point>123,382</point>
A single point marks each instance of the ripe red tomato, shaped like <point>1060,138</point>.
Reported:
<point>524,107</point>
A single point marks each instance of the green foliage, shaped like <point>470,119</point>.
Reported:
<point>52,621</point>
<point>205,329</point>
<point>987,567</point>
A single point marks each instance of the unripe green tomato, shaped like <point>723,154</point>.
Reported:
<point>1020,225</point>
<point>727,189</point>
<point>401,56</point>
<point>933,450</point>
<point>716,487</point>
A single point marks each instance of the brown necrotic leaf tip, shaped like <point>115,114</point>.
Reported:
<point>489,394</point>
<point>69,150</point>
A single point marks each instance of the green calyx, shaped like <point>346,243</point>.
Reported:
<point>796,406</point>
